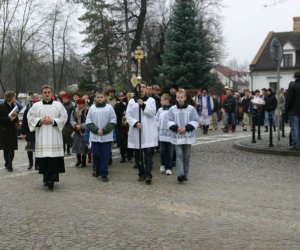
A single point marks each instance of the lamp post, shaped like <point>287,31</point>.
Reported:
<point>276,52</point>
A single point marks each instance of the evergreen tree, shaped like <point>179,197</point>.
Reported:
<point>101,35</point>
<point>86,82</point>
<point>187,59</point>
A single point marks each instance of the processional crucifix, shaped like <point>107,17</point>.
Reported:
<point>139,56</point>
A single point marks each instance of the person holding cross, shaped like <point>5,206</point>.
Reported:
<point>147,126</point>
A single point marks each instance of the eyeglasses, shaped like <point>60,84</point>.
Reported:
<point>46,92</point>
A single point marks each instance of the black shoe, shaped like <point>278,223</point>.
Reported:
<point>104,178</point>
<point>122,161</point>
<point>141,178</point>
<point>83,161</point>
<point>96,174</point>
<point>184,178</point>
<point>148,180</point>
<point>50,185</point>
<point>225,130</point>
<point>30,166</point>
<point>77,164</point>
<point>180,179</point>
<point>10,169</point>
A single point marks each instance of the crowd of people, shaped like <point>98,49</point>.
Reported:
<point>140,122</point>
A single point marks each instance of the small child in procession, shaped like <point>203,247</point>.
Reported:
<point>101,120</point>
<point>183,121</point>
<point>166,148</point>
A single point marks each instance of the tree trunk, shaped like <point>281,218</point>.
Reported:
<point>63,56</point>
<point>53,50</point>
<point>107,55</point>
<point>140,25</point>
<point>127,46</point>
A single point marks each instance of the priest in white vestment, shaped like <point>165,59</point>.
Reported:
<point>47,118</point>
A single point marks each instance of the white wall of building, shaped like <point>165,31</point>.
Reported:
<point>263,79</point>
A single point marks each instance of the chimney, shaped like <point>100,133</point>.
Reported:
<point>296,24</point>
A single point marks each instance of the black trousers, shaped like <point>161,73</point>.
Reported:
<point>144,161</point>
<point>50,167</point>
<point>8,157</point>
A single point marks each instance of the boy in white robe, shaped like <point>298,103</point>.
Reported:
<point>166,148</point>
<point>47,118</point>
<point>101,120</point>
<point>183,121</point>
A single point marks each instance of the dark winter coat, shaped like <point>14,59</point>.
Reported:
<point>120,109</point>
<point>29,136</point>
<point>230,104</point>
<point>8,128</point>
<point>271,102</point>
<point>246,104</point>
<point>68,129</point>
<point>293,98</point>
<point>216,105</point>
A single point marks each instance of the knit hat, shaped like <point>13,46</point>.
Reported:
<point>35,99</point>
<point>65,96</point>
<point>80,101</point>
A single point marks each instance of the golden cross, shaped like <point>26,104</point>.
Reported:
<point>139,56</point>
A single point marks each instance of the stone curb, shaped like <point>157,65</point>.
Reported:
<point>265,150</point>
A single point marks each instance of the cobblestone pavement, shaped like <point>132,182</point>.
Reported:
<point>233,200</point>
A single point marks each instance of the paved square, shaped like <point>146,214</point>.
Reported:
<point>233,200</point>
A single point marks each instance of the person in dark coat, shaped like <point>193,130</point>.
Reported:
<point>122,127</point>
<point>29,136</point>
<point>77,121</point>
<point>172,92</point>
<point>270,106</point>
<point>229,105</point>
<point>8,129</point>
<point>293,107</point>
<point>68,129</point>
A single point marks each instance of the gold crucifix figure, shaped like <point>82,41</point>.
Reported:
<point>139,56</point>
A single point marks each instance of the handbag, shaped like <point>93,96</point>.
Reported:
<point>30,146</point>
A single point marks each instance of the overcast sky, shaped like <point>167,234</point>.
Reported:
<point>246,24</point>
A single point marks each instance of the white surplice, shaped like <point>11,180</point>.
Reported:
<point>48,138</point>
<point>148,120</point>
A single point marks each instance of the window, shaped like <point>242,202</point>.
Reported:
<point>273,85</point>
<point>288,60</point>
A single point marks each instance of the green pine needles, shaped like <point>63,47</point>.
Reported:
<point>187,59</point>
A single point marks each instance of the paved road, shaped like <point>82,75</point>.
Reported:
<point>233,200</point>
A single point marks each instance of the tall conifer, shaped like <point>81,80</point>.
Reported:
<point>187,59</point>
